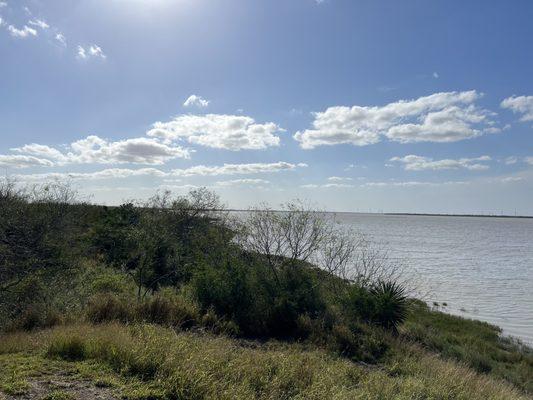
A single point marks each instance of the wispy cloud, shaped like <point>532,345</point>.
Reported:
<point>23,32</point>
<point>247,182</point>
<point>199,170</point>
<point>339,179</point>
<point>92,51</point>
<point>522,105</point>
<point>61,39</point>
<point>419,163</point>
<point>39,23</point>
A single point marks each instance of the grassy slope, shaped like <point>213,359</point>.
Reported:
<point>146,361</point>
<point>474,343</point>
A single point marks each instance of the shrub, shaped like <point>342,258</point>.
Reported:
<point>384,304</point>
<point>261,303</point>
<point>390,304</point>
<point>168,308</point>
<point>104,308</point>
<point>35,317</point>
<point>165,308</point>
<point>226,292</point>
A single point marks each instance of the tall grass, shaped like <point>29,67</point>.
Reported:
<point>192,366</point>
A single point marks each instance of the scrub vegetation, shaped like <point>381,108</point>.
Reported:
<point>174,298</point>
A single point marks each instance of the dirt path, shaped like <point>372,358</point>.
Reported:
<point>59,387</point>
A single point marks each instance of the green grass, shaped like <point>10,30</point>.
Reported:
<point>151,362</point>
<point>475,343</point>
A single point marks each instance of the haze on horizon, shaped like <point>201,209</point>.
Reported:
<point>411,106</point>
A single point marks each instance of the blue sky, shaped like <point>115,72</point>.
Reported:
<point>409,106</point>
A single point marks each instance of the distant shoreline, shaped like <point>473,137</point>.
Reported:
<point>410,214</point>
<point>463,215</point>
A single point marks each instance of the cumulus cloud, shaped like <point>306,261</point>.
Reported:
<point>419,163</point>
<point>24,32</point>
<point>196,101</point>
<point>440,117</point>
<point>230,132</point>
<point>199,170</point>
<point>95,150</point>
<point>520,105</point>
<point>21,161</point>
<point>92,51</point>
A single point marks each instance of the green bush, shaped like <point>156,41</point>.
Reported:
<point>384,304</point>
<point>35,317</point>
<point>260,302</point>
<point>168,308</point>
<point>107,307</point>
<point>165,308</point>
<point>227,291</point>
<point>390,304</point>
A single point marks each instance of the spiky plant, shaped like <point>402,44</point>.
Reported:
<point>390,304</point>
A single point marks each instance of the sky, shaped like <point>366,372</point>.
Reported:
<point>352,105</point>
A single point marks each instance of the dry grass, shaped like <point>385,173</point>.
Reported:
<point>192,366</point>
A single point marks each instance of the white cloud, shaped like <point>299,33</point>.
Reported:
<point>25,32</point>
<point>230,132</point>
<point>21,161</point>
<point>110,173</point>
<point>440,117</point>
<point>327,186</point>
<point>95,150</point>
<point>511,160</point>
<point>419,163</point>
<point>61,39</point>
<point>236,169</point>
<point>199,170</point>
<point>243,182</point>
<point>412,184</point>
<point>435,75</point>
<point>511,179</point>
<point>93,51</point>
<point>39,23</point>
<point>196,101</point>
<point>339,179</point>
<point>520,105</point>
<point>3,4</point>
<point>529,160</point>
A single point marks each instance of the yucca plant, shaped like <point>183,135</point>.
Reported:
<point>390,304</point>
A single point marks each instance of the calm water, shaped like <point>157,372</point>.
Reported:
<point>481,267</point>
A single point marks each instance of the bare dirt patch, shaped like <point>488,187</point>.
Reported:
<point>59,387</point>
